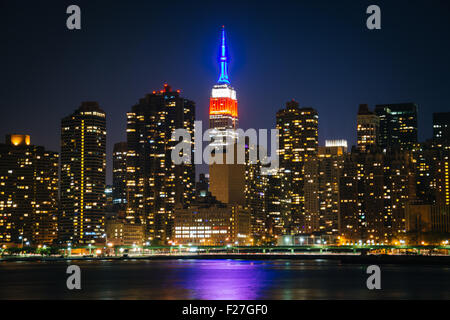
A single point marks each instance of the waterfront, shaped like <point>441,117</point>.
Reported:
<point>220,279</point>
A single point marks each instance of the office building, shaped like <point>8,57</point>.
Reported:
<point>331,163</point>
<point>28,192</point>
<point>122,232</point>
<point>119,190</point>
<point>83,170</point>
<point>374,190</point>
<point>367,128</point>
<point>298,148</point>
<point>210,222</point>
<point>441,129</point>
<point>154,183</point>
<point>398,125</point>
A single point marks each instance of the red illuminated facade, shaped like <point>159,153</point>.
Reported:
<point>223,106</point>
<point>223,109</point>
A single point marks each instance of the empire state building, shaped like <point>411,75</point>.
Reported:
<point>227,180</point>
<point>223,110</point>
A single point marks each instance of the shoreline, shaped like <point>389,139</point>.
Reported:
<point>345,259</point>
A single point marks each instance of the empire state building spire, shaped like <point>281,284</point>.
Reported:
<point>223,77</point>
<point>223,105</point>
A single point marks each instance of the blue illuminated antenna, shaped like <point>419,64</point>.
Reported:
<point>223,77</point>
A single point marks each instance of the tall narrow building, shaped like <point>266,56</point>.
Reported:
<point>227,180</point>
<point>154,183</point>
<point>398,125</point>
<point>298,148</point>
<point>427,161</point>
<point>83,170</point>
<point>28,192</point>
<point>223,105</point>
<point>331,163</point>
<point>119,192</point>
<point>367,128</point>
<point>443,179</point>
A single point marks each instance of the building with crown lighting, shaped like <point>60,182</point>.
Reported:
<point>227,180</point>
<point>223,105</point>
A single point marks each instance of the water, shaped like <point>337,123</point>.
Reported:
<point>220,279</point>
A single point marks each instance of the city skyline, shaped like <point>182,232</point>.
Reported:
<point>370,191</point>
<point>242,151</point>
<point>252,44</point>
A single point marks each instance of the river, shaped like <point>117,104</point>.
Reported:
<point>221,279</point>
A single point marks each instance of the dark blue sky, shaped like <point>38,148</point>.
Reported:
<point>317,52</point>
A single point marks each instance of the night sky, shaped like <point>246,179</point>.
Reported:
<point>317,52</point>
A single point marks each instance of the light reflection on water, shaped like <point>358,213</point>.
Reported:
<point>227,279</point>
<point>220,279</point>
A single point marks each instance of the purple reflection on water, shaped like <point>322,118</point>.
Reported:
<point>227,279</point>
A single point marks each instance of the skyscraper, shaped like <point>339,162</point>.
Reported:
<point>255,196</point>
<point>398,125</point>
<point>154,183</point>
<point>83,169</point>
<point>223,105</point>
<point>367,128</point>
<point>276,205</point>
<point>331,163</point>
<point>432,164</point>
<point>227,180</point>
<point>28,192</point>
<point>119,193</point>
<point>298,147</point>
<point>443,179</point>
<point>427,160</point>
<point>441,129</point>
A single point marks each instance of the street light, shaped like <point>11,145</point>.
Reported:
<point>21,238</point>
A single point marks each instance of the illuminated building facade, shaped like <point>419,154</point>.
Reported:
<point>122,232</point>
<point>298,148</point>
<point>154,183</point>
<point>367,128</point>
<point>443,179</point>
<point>276,205</point>
<point>426,159</point>
<point>83,170</point>
<point>331,163</point>
<point>28,192</point>
<point>109,200</point>
<point>255,196</point>
<point>441,130</point>
<point>223,105</point>
<point>398,125</point>
<point>227,180</point>
<point>374,190</point>
<point>210,222</point>
<point>119,192</point>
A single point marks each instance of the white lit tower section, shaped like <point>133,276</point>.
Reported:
<point>223,112</point>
